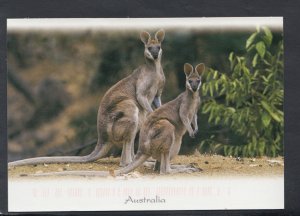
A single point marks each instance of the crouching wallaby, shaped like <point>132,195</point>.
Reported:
<point>123,108</point>
<point>162,132</point>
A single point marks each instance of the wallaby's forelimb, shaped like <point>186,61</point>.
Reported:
<point>143,101</point>
<point>195,125</point>
<point>157,102</point>
<point>186,122</point>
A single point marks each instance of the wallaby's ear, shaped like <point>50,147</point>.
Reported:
<point>145,37</point>
<point>188,69</point>
<point>200,68</point>
<point>160,35</point>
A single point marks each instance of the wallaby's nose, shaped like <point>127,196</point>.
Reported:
<point>154,51</point>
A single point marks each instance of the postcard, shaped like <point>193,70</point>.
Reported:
<point>119,114</point>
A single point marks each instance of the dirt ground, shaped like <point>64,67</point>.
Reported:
<point>211,165</point>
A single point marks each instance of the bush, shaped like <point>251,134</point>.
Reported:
<point>246,103</point>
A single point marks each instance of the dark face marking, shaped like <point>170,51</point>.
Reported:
<point>154,50</point>
<point>194,82</point>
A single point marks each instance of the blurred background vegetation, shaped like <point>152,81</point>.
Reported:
<point>56,81</point>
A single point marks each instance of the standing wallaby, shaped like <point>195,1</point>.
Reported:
<point>161,135</point>
<point>162,132</point>
<point>123,108</point>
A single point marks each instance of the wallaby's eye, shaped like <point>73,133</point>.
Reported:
<point>158,47</point>
<point>190,81</point>
<point>149,48</point>
<point>198,80</point>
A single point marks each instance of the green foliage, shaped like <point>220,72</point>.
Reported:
<point>247,102</point>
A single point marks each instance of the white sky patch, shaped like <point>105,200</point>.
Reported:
<point>80,24</point>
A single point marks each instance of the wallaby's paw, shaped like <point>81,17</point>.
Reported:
<point>195,131</point>
<point>192,135</point>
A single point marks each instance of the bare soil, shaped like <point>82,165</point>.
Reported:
<point>211,165</point>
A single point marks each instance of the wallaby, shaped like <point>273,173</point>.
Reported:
<point>123,109</point>
<point>162,132</point>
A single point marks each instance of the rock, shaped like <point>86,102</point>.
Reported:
<point>253,165</point>
<point>253,160</point>
<point>239,159</point>
<point>275,162</point>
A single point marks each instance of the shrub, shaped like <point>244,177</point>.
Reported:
<point>246,103</point>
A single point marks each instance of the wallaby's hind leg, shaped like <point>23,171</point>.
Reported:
<point>165,163</point>
<point>129,131</point>
<point>126,156</point>
<point>125,129</point>
<point>132,151</point>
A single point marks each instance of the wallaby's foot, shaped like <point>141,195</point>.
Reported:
<point>183,166</point>
<point>179,168</point>
<point>125,163</point>
<point>185,170</point>
<point>125,159</point>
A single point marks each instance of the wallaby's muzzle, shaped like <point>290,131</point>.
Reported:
<point>195,88</point>
<point>194,84</point>
<point>154,51</point>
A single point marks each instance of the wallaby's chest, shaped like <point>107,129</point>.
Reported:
<point>155,82</point>
<point>192,108</point>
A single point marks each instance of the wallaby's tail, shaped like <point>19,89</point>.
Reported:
<point>139,160</point>
<point>74,173</point>
<point>100,151</point>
